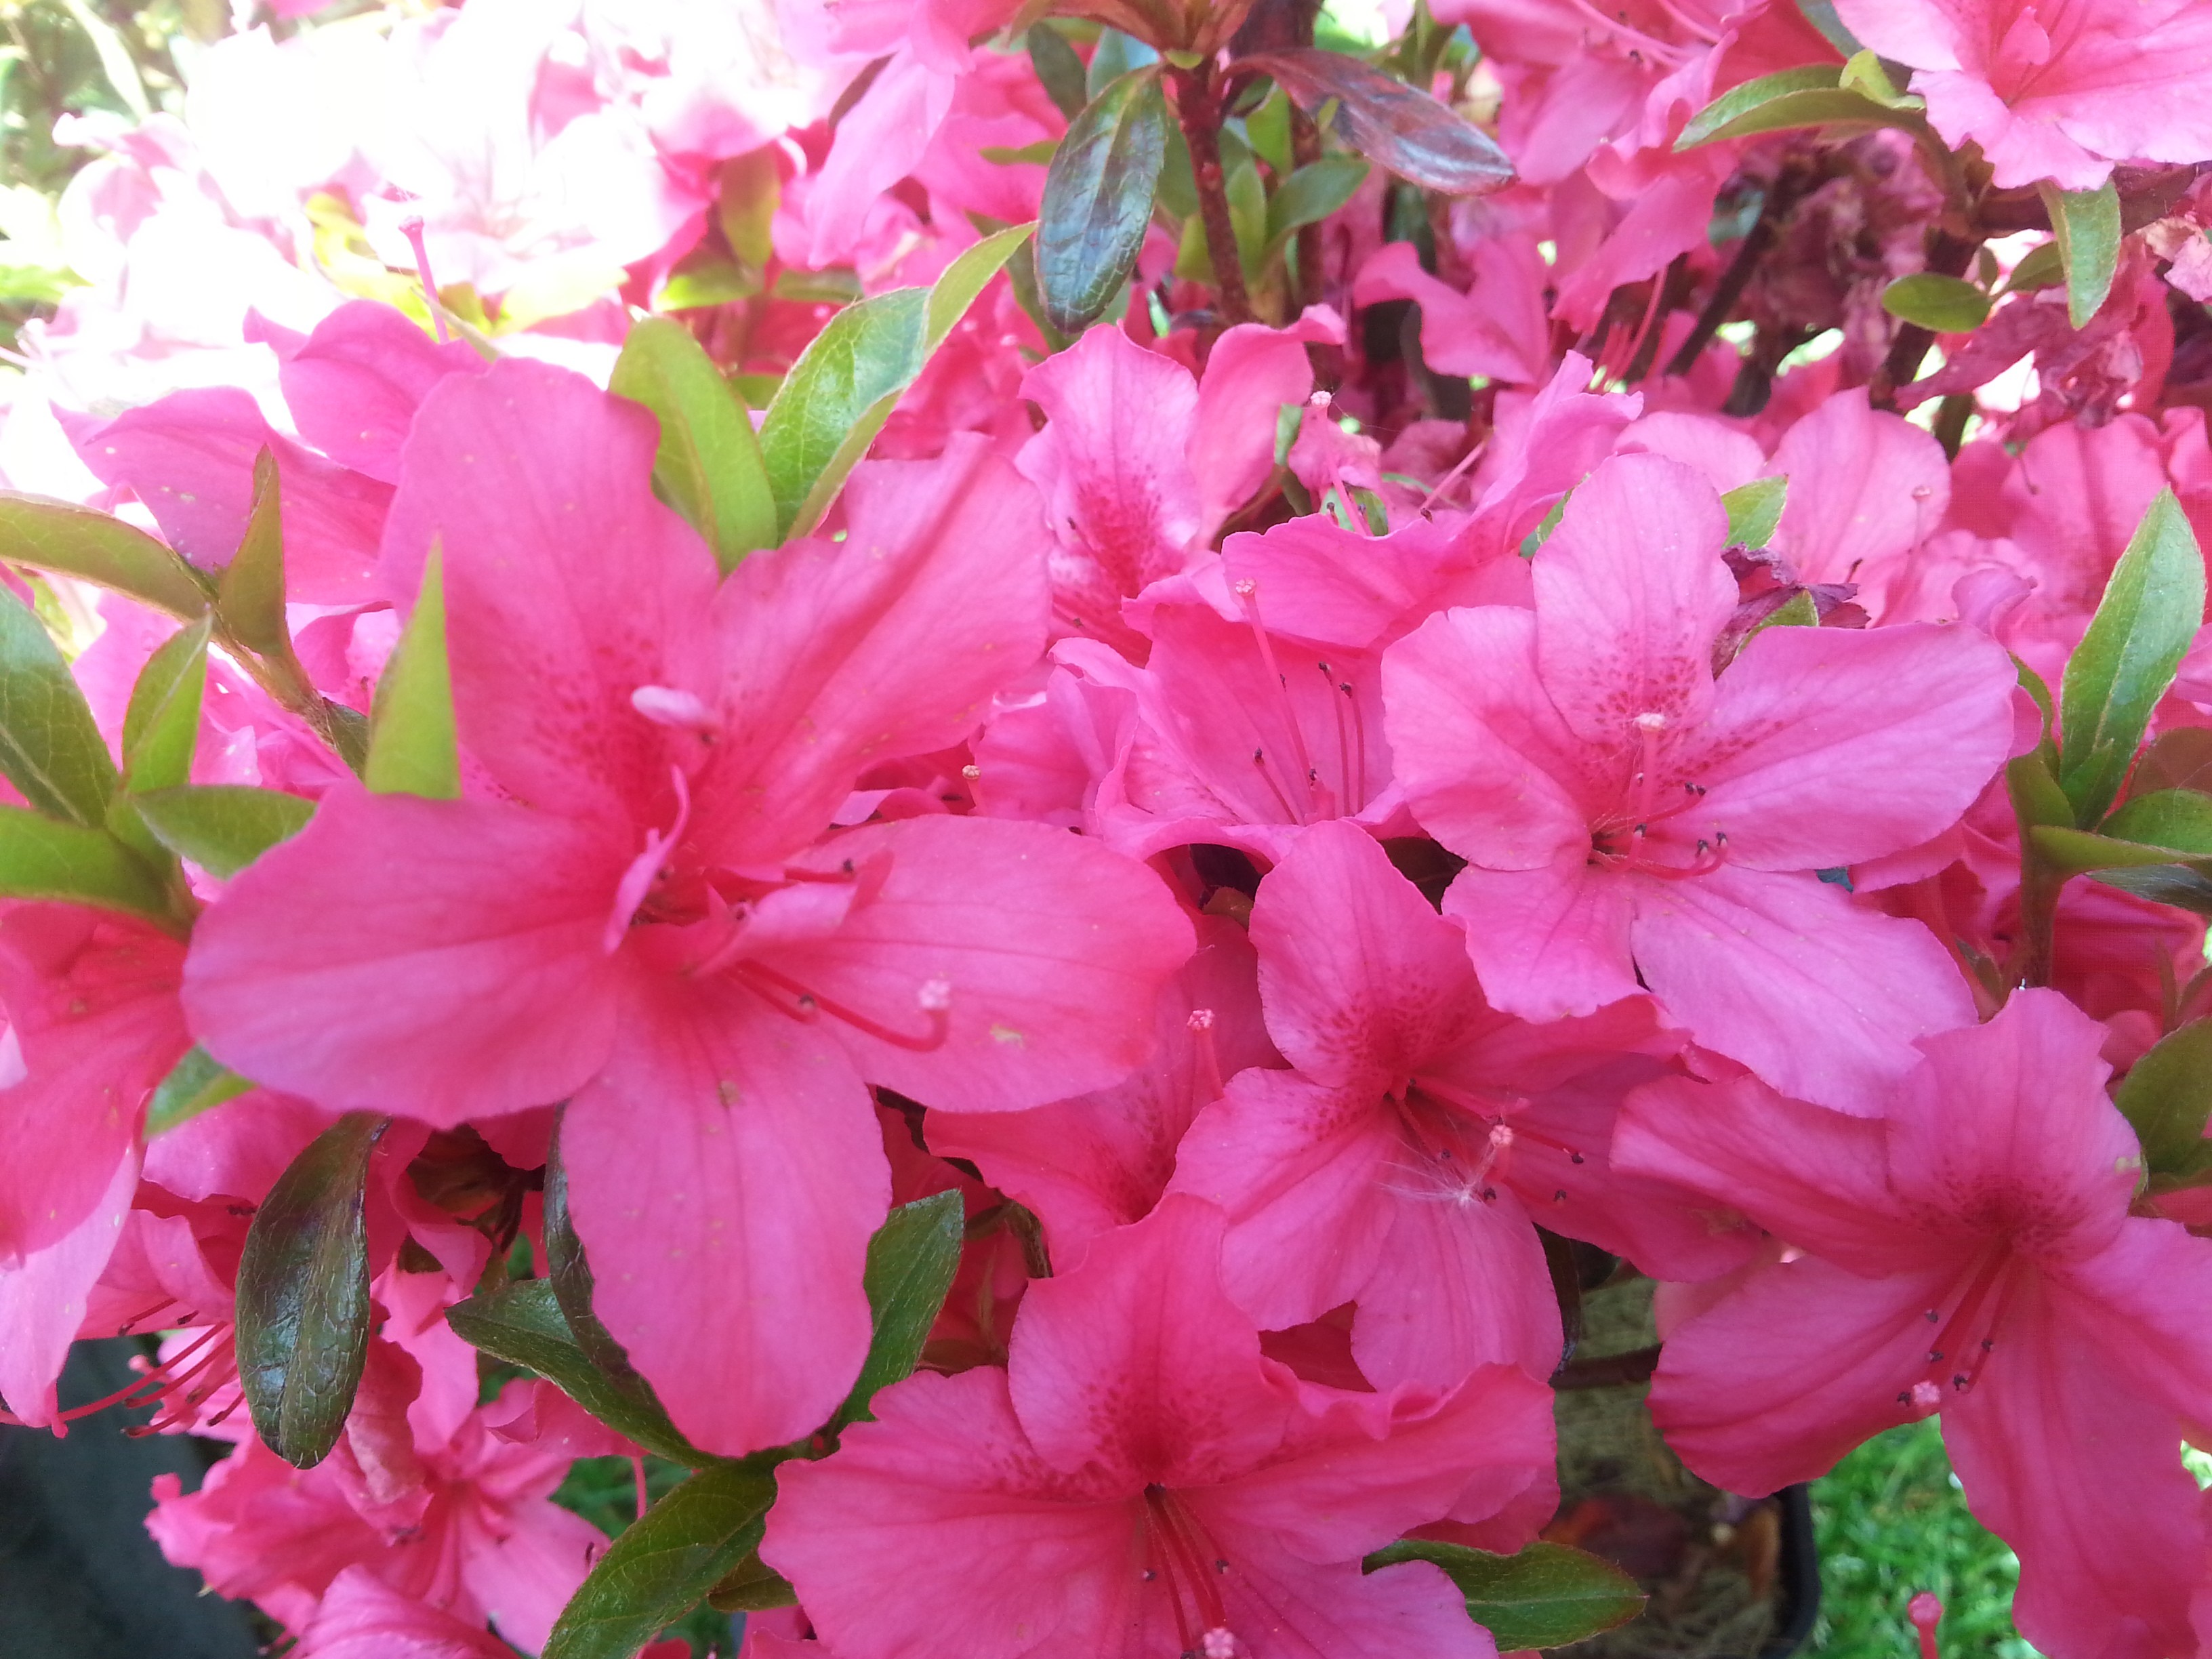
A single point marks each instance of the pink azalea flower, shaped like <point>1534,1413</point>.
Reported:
<point>2058,91</point>
<point>1140,1480</point>
<point>363,1618</point>
<point>1631,822</point>
<point>648,923</point>
<point>1971,1253</point>
<point>1398,1165</point>
<point>1497,328</point>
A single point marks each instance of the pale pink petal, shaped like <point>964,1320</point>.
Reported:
<point>1487,332</point>
<point>567,586</point>
<point>1548,943</point>
<point>1864,485</point>
<point>1828,746</point>
<point>1784,973</point>
<point>1728,457</point>
<point>44,1296</point>
<point>1926,33</point>
<point>726,1173</point>
<point>354,385</point>
<point>1489,767</point>
<point>1631,590</point>
<point>877,144</point>
<point>438,959</point>
<point>889,643</point>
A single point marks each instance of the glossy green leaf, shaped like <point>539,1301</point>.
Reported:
<point>664,1564</point>
<point>1098,199</point>
<point>250,593</point>
<point>1546,1596</point>
<point>303,1305</point>
<point>1942,305</point>
<point>842,388</point>
<point>221,827</point>
<point>198,1082</point>
<point>161,726</point>
<point>1755,510</point>
<point>412,746</point>
<point>522,1324</point>
<point>2167,1095</point>
<point>1058,69</point>
<point>751,1586</point>
<point>2151,609</point>
<point>1395,126</point>
<point>1754,95</point>
<point>50,747</point>
<point>911,1262</point>
<point>708,466</point>
<point>43,858</point>
<point>76,541</point>
<point>2179,819</point>
<point>1808,97</point>
<point>2087,225</point>
<point>1313,192</point>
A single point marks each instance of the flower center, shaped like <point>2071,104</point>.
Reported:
<point>1181,1555</point>
<point>1965,1340</point>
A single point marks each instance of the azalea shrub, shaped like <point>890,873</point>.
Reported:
<point>1003,779</point>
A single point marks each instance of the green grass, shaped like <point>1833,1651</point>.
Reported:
<point>1891,1522</point>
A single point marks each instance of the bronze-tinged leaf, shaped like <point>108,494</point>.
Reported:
<point>1098,199</point>
<point>1395,125</point>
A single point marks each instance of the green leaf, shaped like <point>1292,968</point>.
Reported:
<point>1113,57</point>
<point>250,593</point>
<point>412,747</point>
<point>1754,95</point>
<point>2177,819</point>
<point>1098,199</point>
<point>1059,71</point>
<point>2167,1096</point>
<point>842,388</point>
<point>708,466</point>
<point>2088,223</point>
<point>2180,885</point>
<point>1807,97</point>
<point>522,1324</point>
<point>1755,510</point>
<point>1312,193</point>
<point>303,1306</point>
<point>50,747</point>
<point>42,858</point>
<point>911,1262</point>
<point>221,827</point>
<point>1395,125</point>
<point>660,1568</point>
<point>1863,73</point>
<point>747,190</point>
<point>1942,305</point>
<point>2044,267</point>
<point>2076,852</point>
<point>198,1082</point>
<point>2151,609</point>
<point>161,727</point>
<point>751,1586</point>
<point>2180,759</point>
<point>1798,610</point>
<point>76,541</point>
<point>1544,1597</point>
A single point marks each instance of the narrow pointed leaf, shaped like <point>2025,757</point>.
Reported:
<point>2176,818</point>
<point>1942,305</point>
<point>198,1082</point>
<point>42,858</point>
<point>1807,97</point>
<point>1313,192</point>
<point>1754,95</point>
<point>2178,885</point>
<point>2151,609</point>
<point>960,282</point>
<point>708,466</point>
<point>2087,225</point>
<point>751,1586</point>
<point>2077,851</point>
<point>303,1306</point>
<point>222,828</point>
<point>522,1324</point>
<point>2167,1096</point>
<point>50,747</point>
<point>412,747</point>
<point>1546,1596</point>
<point>161,727</point>
<point>1391,124</point>
<point>76,541</point>
<point>1754,509</point>
<point>1098,199</point>
<point>666,1563</point>
<point>1059,71</point>
<point>250,595</point>
<point>911,1262</point>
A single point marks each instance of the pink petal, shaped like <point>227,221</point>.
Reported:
<point>1278,1603</point>
<point>1466,333</point>
<point>1360,978</point>
<point>1926,33</point>
<point>1251,373</point>
<point>1314,580</point>
<point>1864,486</point>
<point>354,385</point>
<point>726,1174</point>
<point>1726,457</point>
<point>875,146</point>
<point>44,1295</point>
<point>568,585</point>
<point>438,959</point>
<point>362,1618</point>
<point>1045,953</point>
<point>1551,942</point>
<point>890,642</point>
<point>1829,746</point>
<point>1489,767</point>
<point>2144,1306</point>
<point>1631,590</point>
<point>1544,447</point>
<point>1460,1282</point>
<point>1822,1000</point>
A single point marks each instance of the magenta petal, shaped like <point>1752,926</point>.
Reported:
<point>1278,1604</point>
<point>1251,373</point>
<point>1864,485</point>
<point>567,586</point>
<point>1831,746</point>
<point>2143,1305</point>
<point>1548,943</point>
<point>43,1298</point>
<point>1460,1282</point>
<point>1821,999</point>
<point>726,1173</point>
<point>438,959</point>
<point>354,385</point>
<point>1043,954</point>
<point>1631,591</point>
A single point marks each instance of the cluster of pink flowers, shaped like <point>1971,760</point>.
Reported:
<point>1015,959</point>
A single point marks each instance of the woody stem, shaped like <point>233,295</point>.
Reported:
<point>1198,109</point>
